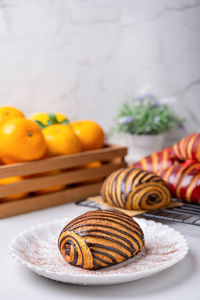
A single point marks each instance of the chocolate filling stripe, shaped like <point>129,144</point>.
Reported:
<point>123,185</point>
<point>153,178</point>
<point>142,179</point>
<point>110,218</point>
<point>153,199</point>
<point>132,228</point>
<point>98,266</point>
<point>164,200</point>
<point>75,251</point>
<point>70,237</point>
<point>136,231</point>
<point>60,241</point>
<point>138,173</point>
<point>114,189</point>
<point>108,186</point>
<point>84,216</point>
<point>108,189</point>
<point>93,251</point>
<point>87,232</point>
<point>138,241</point>
<point>96,245</point>
<point>116,213</point>
<point>160,187</point>
<point>121,217</point>
<point>108,239</point>
<point>96,257</point>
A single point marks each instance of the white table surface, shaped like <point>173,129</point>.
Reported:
<point>182,281</point>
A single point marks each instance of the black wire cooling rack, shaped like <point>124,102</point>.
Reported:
<point>188,213</point>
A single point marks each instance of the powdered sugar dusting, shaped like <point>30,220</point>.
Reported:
<point>38,248</point>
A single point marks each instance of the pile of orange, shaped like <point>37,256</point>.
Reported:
<point>43,135</point>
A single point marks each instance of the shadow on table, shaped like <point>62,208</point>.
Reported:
<point>175,276</point>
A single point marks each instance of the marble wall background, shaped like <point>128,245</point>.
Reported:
<point>85,57</point>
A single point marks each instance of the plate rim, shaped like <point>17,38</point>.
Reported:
<point>123,276</point>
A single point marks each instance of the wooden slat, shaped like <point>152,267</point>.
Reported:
<point>68,177</point>
<point>52,199</point>
<point>62,162</point>
<point>72,174</point>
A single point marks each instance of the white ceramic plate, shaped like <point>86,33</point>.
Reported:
<point>37,249</point>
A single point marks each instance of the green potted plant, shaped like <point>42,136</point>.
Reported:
<point>145,125</point>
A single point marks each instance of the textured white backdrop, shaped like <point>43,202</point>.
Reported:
<point>85,57</point>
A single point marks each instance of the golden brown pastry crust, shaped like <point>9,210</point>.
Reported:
<point>156,161</point>
<point>188,148</point>
<point>136,189</point>
<point>184,181</point>
<point>100,238</point>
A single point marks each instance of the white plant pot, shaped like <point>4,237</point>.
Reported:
<point>143,145</point>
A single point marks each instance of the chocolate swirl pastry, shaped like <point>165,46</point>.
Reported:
<point>135,189</point>
<point>99,239</point>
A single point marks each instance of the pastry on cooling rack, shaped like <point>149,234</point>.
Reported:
<point>135,189</point>
<point>100,238</point>
<point>184,181</point>
<point>157,161</point>
<point>188,148</point>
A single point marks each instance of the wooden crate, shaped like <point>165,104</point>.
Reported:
<point>80,182</point>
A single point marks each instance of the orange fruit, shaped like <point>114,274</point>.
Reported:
<point>21,140</point>
<point>47,119</point>
<point>9,180</point>
<point>90,134</point>
<point>51,188</point>
<point>61,140</point>
<point>9,112</point>
<point>93,164</point>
